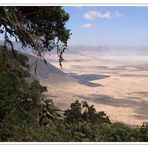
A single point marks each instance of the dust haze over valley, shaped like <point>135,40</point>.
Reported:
<point>114,79</point>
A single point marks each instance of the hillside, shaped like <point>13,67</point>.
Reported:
<point>47,73</point>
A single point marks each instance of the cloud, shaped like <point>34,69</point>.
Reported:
<point>92,15</point>
<point>87,26</point>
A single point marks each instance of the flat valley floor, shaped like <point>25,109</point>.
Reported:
<point>117,85</point>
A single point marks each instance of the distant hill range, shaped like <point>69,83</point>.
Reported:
<point>118,50</point>
<point>110,50</point>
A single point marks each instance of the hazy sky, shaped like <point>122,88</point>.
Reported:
<point>108,25</point>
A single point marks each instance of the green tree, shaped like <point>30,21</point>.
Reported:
<point>118,132</point>
<point>42,28</point>
<point>84,122</point>
<point>20,102</point>
<point>74,113</point>
<point>83,112</point>
<point>12,74</point>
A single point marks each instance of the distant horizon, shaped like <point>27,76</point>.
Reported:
<point>109,45</point>
<point>82,45</point>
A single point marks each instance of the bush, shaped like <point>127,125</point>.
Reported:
<point>144,132</point>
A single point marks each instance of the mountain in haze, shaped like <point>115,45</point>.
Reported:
<point>110,50</point>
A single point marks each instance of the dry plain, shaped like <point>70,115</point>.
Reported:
<point>114,83</point>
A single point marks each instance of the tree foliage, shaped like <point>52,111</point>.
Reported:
<point>83,112</point>
<point>20,102</point>
<point>41,28</point>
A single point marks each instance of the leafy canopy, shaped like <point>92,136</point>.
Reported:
<point>41,28</point>
<point>81,111</point>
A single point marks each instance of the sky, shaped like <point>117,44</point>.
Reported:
<point>108,25</point>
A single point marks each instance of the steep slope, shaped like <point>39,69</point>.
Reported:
<point>47,73</point>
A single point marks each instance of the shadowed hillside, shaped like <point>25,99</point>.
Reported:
<point>47,73</point>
